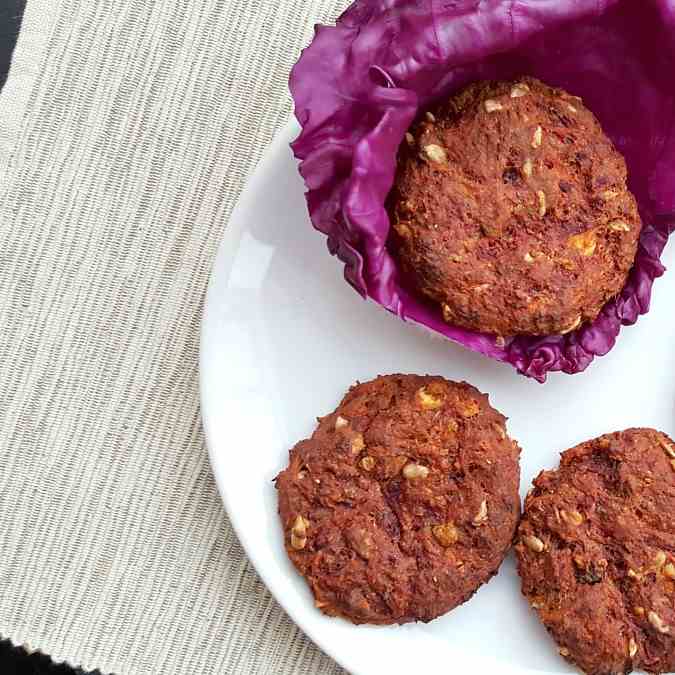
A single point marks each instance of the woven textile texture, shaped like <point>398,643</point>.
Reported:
<point>127,130</point>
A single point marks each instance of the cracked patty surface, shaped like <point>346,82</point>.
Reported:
<point>510,210</point>
<point>404,500</point>
<point>596,553</point>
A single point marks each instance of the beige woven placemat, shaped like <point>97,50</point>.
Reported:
<point>127,129</point>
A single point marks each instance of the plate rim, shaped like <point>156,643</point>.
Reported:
<point>224,258</point>
<point>219,277</point>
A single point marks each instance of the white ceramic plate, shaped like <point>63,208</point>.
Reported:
<point>283,338</point>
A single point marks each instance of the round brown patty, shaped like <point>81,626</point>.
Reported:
<point>404,500</point>
<point>596,552</point>
<point>510,209</point>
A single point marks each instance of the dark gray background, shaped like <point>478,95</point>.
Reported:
<point>11,12</point>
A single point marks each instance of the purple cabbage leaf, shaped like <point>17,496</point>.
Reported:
<point>360,83</point>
